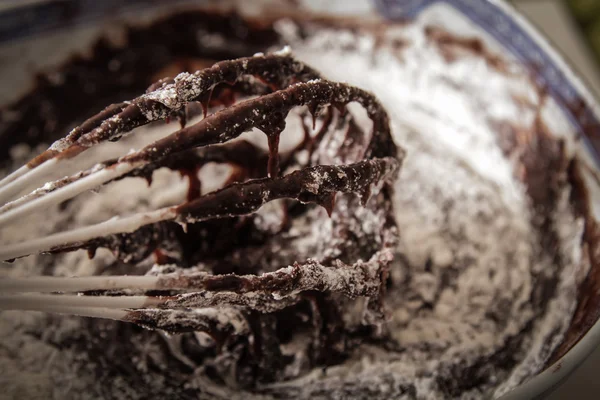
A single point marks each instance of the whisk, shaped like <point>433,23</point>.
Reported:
<point>339,157</point>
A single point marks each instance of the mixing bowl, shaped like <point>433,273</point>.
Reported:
<point>39,35</point>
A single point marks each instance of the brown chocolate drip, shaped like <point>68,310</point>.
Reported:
<point>204,100</point>
<point>91,252</point>
<point>309,185</point>
<point>273,166</point>
<point>315,184</point>
<point>129,247</point>
<point>231,122</point>
<point>275,69</point>
<point>307,133</point>
<point>316,139</point>
<point>241,153</point>
<point>182,115</point>
<point>328,203</point>
<point>313,110</point>
<point>194,184</point>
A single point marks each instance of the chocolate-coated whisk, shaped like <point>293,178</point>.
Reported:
<point>361,162</point>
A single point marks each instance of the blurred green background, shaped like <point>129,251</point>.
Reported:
<point>587,16</point>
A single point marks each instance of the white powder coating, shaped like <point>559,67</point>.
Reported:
<point>469,254</point>
<point>464,219</point>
